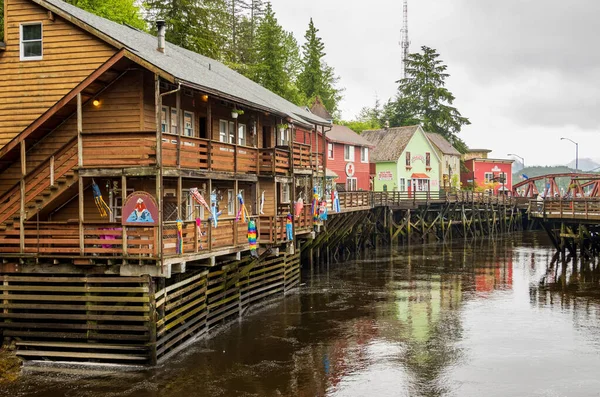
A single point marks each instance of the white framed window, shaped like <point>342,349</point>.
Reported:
<point>31,41</point>
<point>164,120</point>
<point>351,184</point>
<point>488,177</point>
<point>330,150</point>
<point>174,122</point>
<point>188,123</point>
<point>284,139</point>
<point>285,193</point>
<point>242,134</point>
<point>230,202</point>
<point>402,184</point>
<point>223,130</point>
<point>503,176</point>
<point>364,154</point>
<point>232,132</point>
<point>194,210</point>
<point>348,152</point>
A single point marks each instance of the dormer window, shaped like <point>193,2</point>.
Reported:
<point>31,41</point>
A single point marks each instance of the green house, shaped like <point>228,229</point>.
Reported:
<point>405,160</point>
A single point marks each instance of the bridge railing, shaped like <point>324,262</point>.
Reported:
<point>578,208</point>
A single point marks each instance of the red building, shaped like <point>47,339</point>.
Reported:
<point>488,174</point>
<point>348,157</point>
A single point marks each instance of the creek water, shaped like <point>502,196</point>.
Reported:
<point>479,318</point>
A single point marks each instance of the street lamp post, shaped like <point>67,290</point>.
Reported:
<point>576,152</point>
<point>521,158</point>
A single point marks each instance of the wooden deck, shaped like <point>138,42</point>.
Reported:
<point>114,241</point>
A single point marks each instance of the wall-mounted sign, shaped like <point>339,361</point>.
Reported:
<point>496,169</point>
<point>350,169</point>
<point>418,157</point>
<point>385,176</point>
<point>140,209</point>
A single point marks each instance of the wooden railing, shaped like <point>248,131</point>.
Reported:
<point>301,155</point>
<point>222,156</point>
<point>271,229</point>
<point>247,160</point>
<point>118,150</point>
<point>282,161</point>
<point>317,162</point>
<point>303,222</point>
<point>39,179</point>
<point>193,152</point>
<point>576,209</point>
<point>100,239</point>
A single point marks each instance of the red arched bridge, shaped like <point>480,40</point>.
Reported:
<point>580,185</point>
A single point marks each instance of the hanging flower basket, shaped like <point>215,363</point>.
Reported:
<point>236,112</point>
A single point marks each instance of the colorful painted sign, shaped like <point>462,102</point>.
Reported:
<point>385,176</point>
<point>350,169</point>
<point>140,209</point>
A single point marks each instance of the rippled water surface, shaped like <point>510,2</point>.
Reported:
<point>467,319</point>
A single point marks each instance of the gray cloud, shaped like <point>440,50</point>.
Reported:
<point>523,71</point>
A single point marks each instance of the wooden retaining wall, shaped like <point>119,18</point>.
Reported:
<point>192,307</point>
<point>112,319</point>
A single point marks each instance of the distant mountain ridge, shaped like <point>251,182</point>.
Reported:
<point>586,164</point>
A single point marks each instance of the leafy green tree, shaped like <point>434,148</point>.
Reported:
<point>423,98</point>
<point>317,79</point>
<point>121,11</point>
<point>1,20</point>
<point>201,26</point>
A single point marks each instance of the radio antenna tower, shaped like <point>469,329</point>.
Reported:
<point>404,44</point>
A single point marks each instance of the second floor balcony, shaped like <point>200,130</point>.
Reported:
<point>139,149</point>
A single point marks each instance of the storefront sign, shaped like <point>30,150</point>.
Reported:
<point>140,209</point>
<point>418,157</point>
<point>386,176</point>
<point>496,169</point>
<point>350,169</point>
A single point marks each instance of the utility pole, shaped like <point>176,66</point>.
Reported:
<point>404,43</point>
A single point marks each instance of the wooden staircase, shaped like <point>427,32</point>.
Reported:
<point>43,185</point>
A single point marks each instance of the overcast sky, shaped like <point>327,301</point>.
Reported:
<point>525,72</point>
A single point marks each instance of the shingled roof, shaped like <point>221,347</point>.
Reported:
<point>187,67</point>
<point>389,143</point>
<point>343,134</point>
<point>442,144</point>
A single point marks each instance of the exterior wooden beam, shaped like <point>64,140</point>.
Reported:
<point>23,160</point>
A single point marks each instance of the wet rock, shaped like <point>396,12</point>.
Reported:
<point>10,366</point>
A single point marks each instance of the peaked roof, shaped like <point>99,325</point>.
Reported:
<point>320,110</point>
<point>186,67</point>
<point>442,144</point>
<point>343,134</point>
<point>389,143</point>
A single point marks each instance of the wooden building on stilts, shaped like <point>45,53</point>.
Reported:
<point>131,174</point>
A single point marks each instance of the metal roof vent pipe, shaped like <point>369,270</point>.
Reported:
<point>162,29</point>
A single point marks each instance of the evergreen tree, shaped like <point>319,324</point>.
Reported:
<point>198,25</point>
<point>277,54</point>
<point>423,98</point>
<point>317,79</point>
<point>1,20</point>
<point>121,11</point>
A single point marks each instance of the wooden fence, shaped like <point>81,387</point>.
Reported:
<point>75,318</point>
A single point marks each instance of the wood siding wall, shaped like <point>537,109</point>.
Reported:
<point>29,88</point>
<point>120,110</point>
<point>338,165</point>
